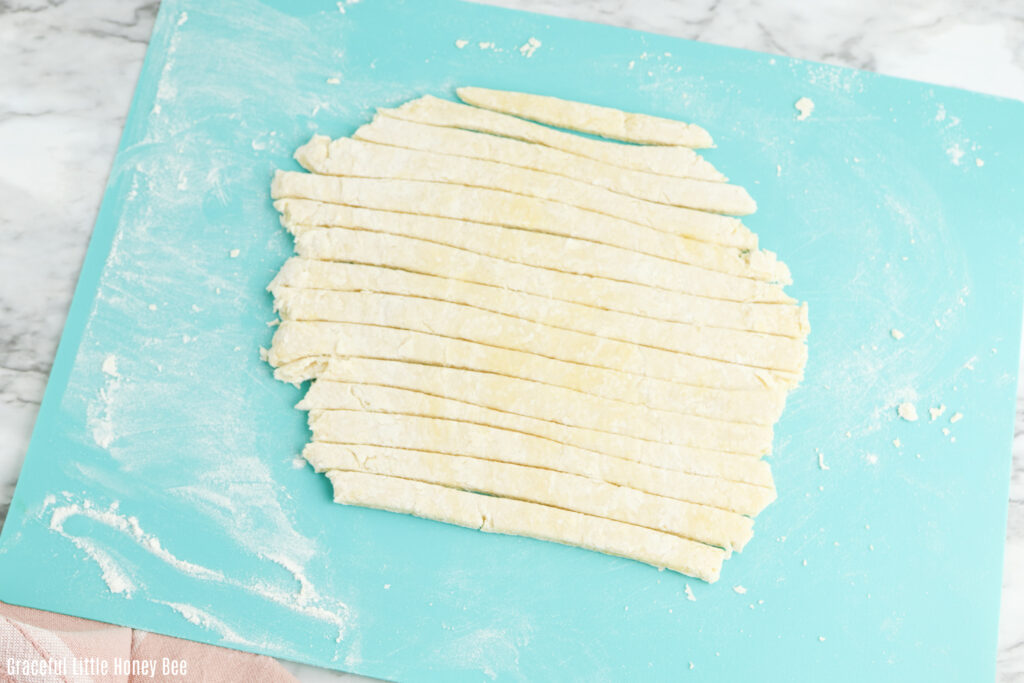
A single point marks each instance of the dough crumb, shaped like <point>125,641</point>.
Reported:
<point>334,80</point>
<point>945,431</point>
<point>805,106</point>
<point>979,163</point>
<point>897,443</point>
<point>821,461</point>
<point>529,47</point>
<point>110,365</point>
<point>907,411</point>
<point>387,587</point>
<point>298,463</point>
<point>956,417</point>
<point>871,459</point>
<point>263,354</point>
<point>689,594</point>
<point>234,253</point>
<point>896,334</point>
<point>485,45</point>
<point>740,589</point>
<point>936,412</point>
<point>152,307</point>
<point>849,435</point>
<point>460,43</point>
<point>821,639</point>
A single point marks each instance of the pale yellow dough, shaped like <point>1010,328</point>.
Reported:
<point>499,207</point>
<point>522,330</point>
<point>654,187</point>
<point>588,118</point>
<point>672,161</point>
<point>508,516</point>
<point>548,487</point>
<point>732,346</point>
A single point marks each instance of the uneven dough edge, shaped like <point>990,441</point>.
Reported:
<point>513,517</point>
<point>606,122</point>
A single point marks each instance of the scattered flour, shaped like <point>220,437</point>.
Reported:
<point>740,589</point>
<point>207,621</point>
<point>689,594</point>
<point>805,106</point>
<point>110,365</point>
<point>871,459</point>
<point>955,153</point>
<point>460,43</point>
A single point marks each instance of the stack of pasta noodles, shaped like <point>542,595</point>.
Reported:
<point>524,330</point>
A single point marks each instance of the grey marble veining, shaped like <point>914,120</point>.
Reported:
<point>69,69</point>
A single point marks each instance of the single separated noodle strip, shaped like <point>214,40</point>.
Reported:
<point>605,122</point>
<point>548,487</point>
<point>498,207</point>
<point>680,162</point>
<point>653,187</point>
<point>515,517</point>
<point>360,158</point>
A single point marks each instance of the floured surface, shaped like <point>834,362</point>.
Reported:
<point>861,188</point>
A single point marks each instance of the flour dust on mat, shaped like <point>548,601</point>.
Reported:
<point>526,331</point>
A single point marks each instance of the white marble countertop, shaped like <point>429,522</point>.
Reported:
<point>69,70</point>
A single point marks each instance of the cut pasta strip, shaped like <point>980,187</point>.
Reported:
<point>359,245</point>
<point>692,347</point>
<point>359,158</point>
<point>498,207</point>
<point>323,248</point>
<point>566,425</point>
<point>503,391</point>
<point>588,118</point>
<point>680,162</point>
<point>294,340</point>
<point>515,517</point>
<point>653,187</point>
<point>740,346</point>
<point>416,348</point>
<point>580,494</point>
<point>375,413</point>
<point>726,495</point>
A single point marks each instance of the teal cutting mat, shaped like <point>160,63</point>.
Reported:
<point>161,489</point>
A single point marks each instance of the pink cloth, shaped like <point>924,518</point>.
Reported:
<point>44,647</point>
